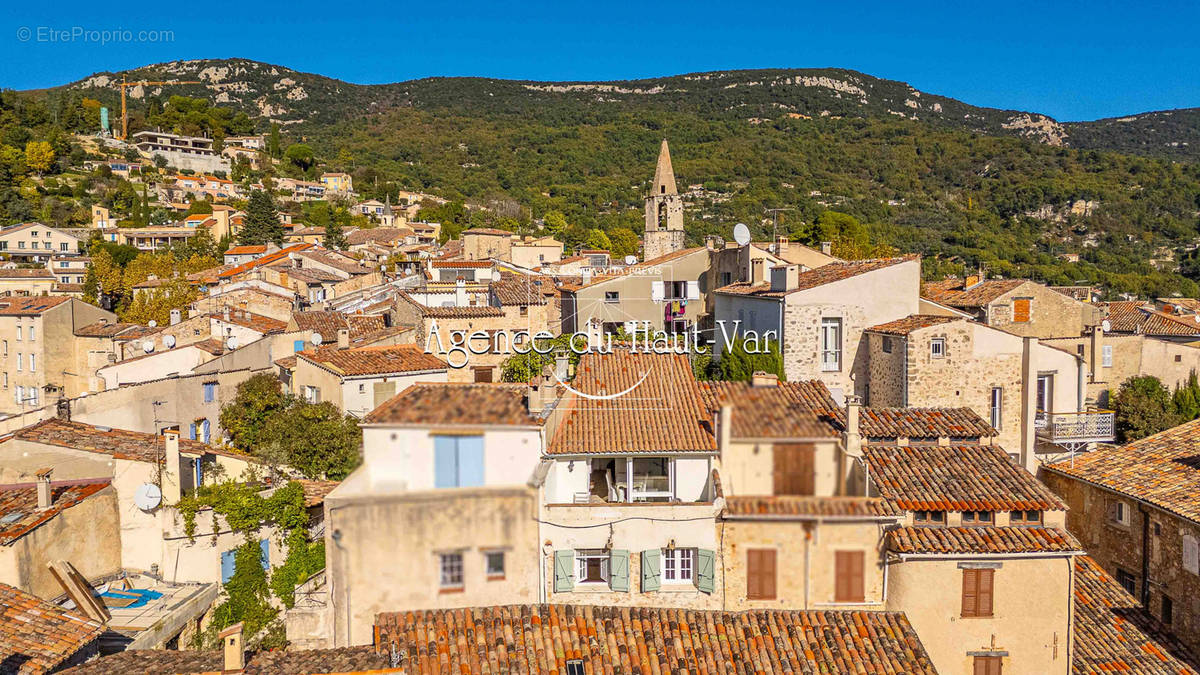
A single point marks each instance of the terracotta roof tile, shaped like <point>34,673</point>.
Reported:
<point>373,360</point>
<point>26,273</point>
<point>826,274</point>
<point>471,312</point>
<point>527,291</point>
<point>952,292</point>
<point>19,512</point>
<point>108,329</point>
<point>335,260</point>
<point>442,404</point>
<point>981,540</point>
<point>377,234</point>
<point>316,490</point>
<point>809,507</point>
<point>328,323</point>
<point>1163,469</point>
<point>342,661</point>
<point>1113,633</point>
<point>488,231</point>
<point>1135,317</point>
<point>462,264</point>
<point>246,250</point>
<point>542,638</point>
<point>955,478</point>
<point>891,423</point>
<point>664,410</point>
<point>120,443</point>
<point>265,260</point>
<point>255,322</point>
<point>36,636</point>
<point>783,410</point>
<point>913,323</point>
<point>31,305</point>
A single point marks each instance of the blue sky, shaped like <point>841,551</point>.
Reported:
<point>1070,60</point>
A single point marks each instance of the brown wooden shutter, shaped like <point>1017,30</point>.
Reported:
<point>760,574</point>
<point>988,665</point>
<point>1022,309</point>
<point>848,584</point>
<point>794,469</point>
<point>985,592</point>
<point>753,587</point>
<point>769,574</point>
<point>970,599</point>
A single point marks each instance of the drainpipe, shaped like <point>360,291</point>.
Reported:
<point>1145,557</point>
<point>1028,403</point>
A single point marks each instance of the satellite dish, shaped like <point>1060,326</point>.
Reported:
<point>1105,326</point>
<point>741,234</point>
<point>148,346</point>
<point>496,275</point>
<point>147,497</point>
<point>317,339</point>
<point>153,323</point>
<point>631,260</point>
<point>231,342</point>
<point>169,341</point>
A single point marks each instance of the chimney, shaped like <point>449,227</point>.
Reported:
<point>852,438</point>
<point>724,428</point>
<point>781,244</point>
<point>231,646</point>
<point>758,268</point>
<point>176,316</point>
<point>761,378</point>
<point>226,314</point>
<point>827,247</point>
<point>971,280</point>
<point>785,277</point>
<point>272,247</point>
<point>172,471</point>
<point>460,293</point>
<point>343,338</point>
<point>44,496</point>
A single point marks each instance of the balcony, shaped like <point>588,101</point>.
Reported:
<point>1093,426</point>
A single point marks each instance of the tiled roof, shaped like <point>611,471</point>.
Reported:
<point>342,661</point>
<point>1113,634</point>
<point>26,273</point>
<point>1163,469</point>
<point>471,312</point>
<point>442,404</point>
<point>1160,324</point>
<point>325,323</point>
<point>19,512</point>
<point>632,269</point>
<point>951,292</point>
<point>955,478</point>
<point>811,507</point>
<point>912,323</point>
<point>785,410</point>
<point>1134,317</point>
<point>916,423</point>
<point>107,329</point>
<point>542,638</point>
<point>30,306</point>
<point>519,291</point>
<point>489,231</point>
<point>316,490</point>
<point>462,264</point>
<point>265,260</point>
<point>335,260</point>
<point>255,322</point>
<point>36,636</point>
<point>377,234</point>
<point>67,288</point>
<point>373,360</point>
<point>664,410</point>
<point>310,275</point>
<point>120,443</point>
<point>826,274</point>
<point>981,540</point>
<point>246,250</point>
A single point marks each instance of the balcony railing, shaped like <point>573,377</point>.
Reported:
<point>1093,425</point>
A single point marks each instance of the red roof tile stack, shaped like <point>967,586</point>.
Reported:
<point>891,423</point>
<point>784,410</point>
<point>952,292</point>
<point>19,513</point>
<point>981,540</point>
<point>37,637</point>
<point>342,661</point>
<point>120,443</point>
<point>826,274</point>
<point>913,323</point>
<point>777,506</point>
<point>454,404</point>
<point>373,360</point>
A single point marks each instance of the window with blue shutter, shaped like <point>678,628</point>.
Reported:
<point>227,565</point>
<point>705,560</point>
<point>564,571</point>
<point>205,431</point>
<point>651,569</point>
<point>298,345</point>
<point>265,548</point>
<point>457,461</point>
<point>192,431</point>
<point>210,392</point>
<point>618,570</point>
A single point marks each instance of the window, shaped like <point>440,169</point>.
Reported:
<point>1168,610</point>
<point>937,348</point>
<point>482,373</point>
<point>63,246</point>
<point>20,360</point>
<point>575,667</point>
<point>19,331</point>
<point>591,566</point>
<point>887,344</point>
<point>794,469</point>
<point>20,244</point>
<point>977,592</point>
<point>451,568</point>
<point>1022,310</point>
<point>524,310</point>
<point>848,576</point>
<point>494,564</point>
<point>6,347</point>
<point>831,344</point>
<point>6,380</point>
<point>1106,356</point>
<point>297,345</point>
<point>1127,581</point>
<point>726,278</point>
<point>1025,518</point>
<point>32,333</point>
<point>311,394</point>
<point>457,461</point>
<point>33,363</point>
<point>976,517</point>
<point>1118,512</point>
<point>997,407</point>
<point>1178,358</point>
<point>988,665</point>
<point>929,518</point>
<point>760,574</point>
<point>612,296</point>
<point>210,392</point>
<point>678,565</point>
<point>19,395</point>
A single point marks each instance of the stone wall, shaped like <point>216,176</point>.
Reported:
<point>1052,314</point>
<point>886,371</point>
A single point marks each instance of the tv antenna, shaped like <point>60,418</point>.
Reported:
<point>775,221</point>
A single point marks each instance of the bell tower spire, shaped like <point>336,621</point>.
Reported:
<point>664,211</point>
<point>664,175</point>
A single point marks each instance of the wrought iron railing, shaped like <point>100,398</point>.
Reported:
<point>1092,425</point>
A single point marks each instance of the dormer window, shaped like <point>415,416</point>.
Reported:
<point>929,518</point>
<point>1018,518</point>
<point>977,518</point>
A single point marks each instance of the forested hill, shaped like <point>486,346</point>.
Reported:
<point>290,97</point>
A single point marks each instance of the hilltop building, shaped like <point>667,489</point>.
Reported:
<point>664,211</point>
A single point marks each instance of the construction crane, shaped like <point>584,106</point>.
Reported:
<point>124,85</point>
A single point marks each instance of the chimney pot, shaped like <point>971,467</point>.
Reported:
<point>45,498</point>
<point>172,487</point>
<point>757,271</point>
<point>343,337</point>
<point>233,651</point>
<point>852,436</point>
<point>761,378</point>
<point>827,247</point>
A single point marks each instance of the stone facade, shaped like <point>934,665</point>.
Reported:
<point>1129,356</point>
<point>664,211</point>
<point>1051,314</point>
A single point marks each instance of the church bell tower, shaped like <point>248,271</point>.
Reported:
<point>664,211</point>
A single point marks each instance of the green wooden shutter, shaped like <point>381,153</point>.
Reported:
<point>564,571</point>
<point>651,569</point>
<point>704,570</point>
<point>618,570</point>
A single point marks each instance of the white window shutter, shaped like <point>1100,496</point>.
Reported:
<point>1191,554</point>
<point>658,290</point>
<point>693,290</point>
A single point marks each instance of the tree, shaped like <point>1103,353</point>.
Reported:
<point>300,156</point>
<point>554,221</point>
<point>1186,399</point>
<point>315,438</point>
<point>39,156</point>
<point>274,142</point>
<point>624,242</point>
<point>596,239</point>
<point>334,237</point>
<point>262,221</point>
<point>745,358</point>
<point>256,400</point>
<point>1143,408</point>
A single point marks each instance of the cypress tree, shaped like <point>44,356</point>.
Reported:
<point>262,221</point>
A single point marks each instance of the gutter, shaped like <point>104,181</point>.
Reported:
<point>989,556</point>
